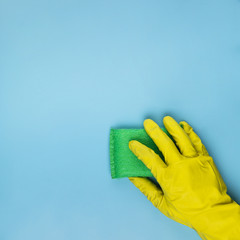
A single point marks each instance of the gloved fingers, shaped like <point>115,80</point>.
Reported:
<point>148,157</point>
<point>196,141</point>
<point>163,142</point>
<point>180,137</point>
<point>149,189</point>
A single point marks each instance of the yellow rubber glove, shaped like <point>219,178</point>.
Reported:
<point>192,190</point>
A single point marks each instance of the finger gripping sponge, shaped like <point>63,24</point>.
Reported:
<point>123,162</point>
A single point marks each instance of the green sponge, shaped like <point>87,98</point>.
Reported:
<point>123,162</point>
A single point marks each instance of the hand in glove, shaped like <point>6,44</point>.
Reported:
<point>192,190</point>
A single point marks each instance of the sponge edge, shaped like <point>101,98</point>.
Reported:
<point>123,162</point>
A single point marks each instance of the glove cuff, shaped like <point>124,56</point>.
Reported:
<point>221,221</point>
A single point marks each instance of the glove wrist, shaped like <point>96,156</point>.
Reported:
<point>221,221</point>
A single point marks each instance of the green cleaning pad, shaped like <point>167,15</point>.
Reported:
<point>123,162</point>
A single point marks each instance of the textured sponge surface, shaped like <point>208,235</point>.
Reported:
<point>123,162</point>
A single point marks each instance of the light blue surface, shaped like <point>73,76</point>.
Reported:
<point>70,70</point>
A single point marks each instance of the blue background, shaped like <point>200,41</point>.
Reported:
<point>70,70</point>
